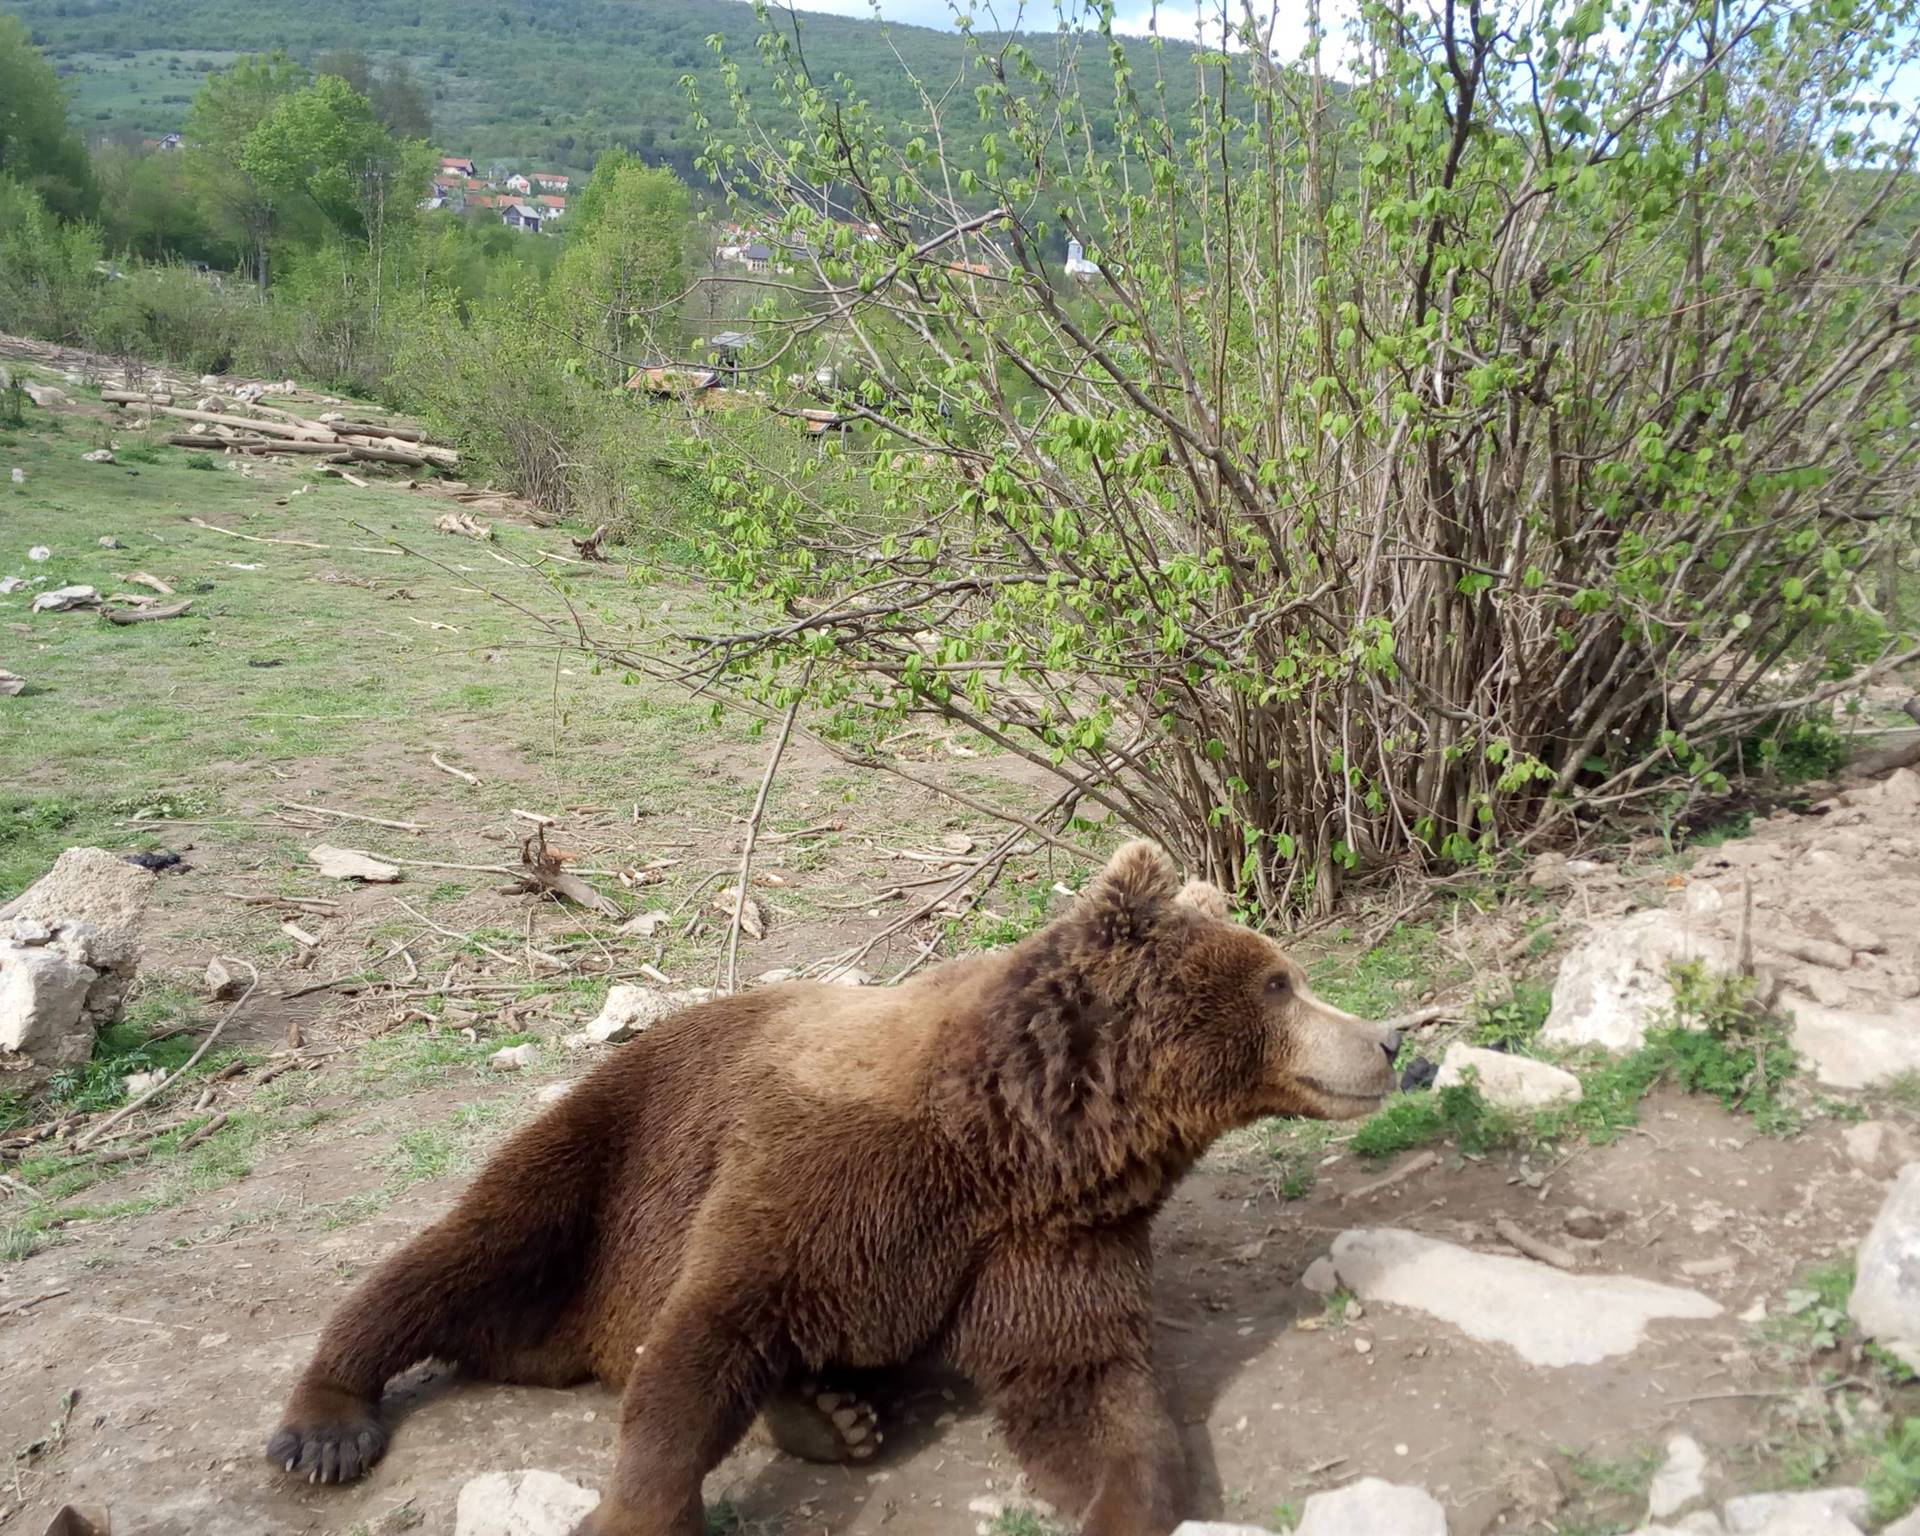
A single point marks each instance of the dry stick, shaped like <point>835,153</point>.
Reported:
<point>372,821</point>
<point>34,1301</point>
<point>458,773</point>
<point>729,972</point>
<point>467,938</point>
<point>146,615</point>
<point>93,1136</point>
<point>1512,1234</point>
<point>253,538</point>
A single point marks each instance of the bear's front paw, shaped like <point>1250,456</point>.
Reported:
<point>830,1427</point>
<point>328,1436</point>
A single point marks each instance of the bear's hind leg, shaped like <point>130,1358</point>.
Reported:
<point>481,1289</point>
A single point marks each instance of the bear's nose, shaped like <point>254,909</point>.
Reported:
<point>1391,1044</point>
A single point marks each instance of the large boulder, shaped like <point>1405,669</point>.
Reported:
<point>1814,1512</point>
<point>1544,1315</point>
<point>1618,980</point>
<point>68,953</point>
<point>1886,1285</point>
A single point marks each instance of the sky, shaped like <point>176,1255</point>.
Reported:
<point>1178,20</point>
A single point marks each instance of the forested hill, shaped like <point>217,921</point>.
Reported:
<point>547,81</point>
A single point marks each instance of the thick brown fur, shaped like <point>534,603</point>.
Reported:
<point>807,1177</point>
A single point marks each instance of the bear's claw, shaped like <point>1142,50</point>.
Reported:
<point>335,1450</point>
<point>831,1427</point>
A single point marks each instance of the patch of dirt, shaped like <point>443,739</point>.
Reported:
<point>180,1332</point>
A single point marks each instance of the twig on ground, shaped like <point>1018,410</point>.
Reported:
<point>467,938</point>
<point>34,1301</point>
<point>254,538</point>
<point>1512,1234</point>
<point>458,773</point>
<point>93,1136</point>
<point>372,821</point>
<point>1418,1163</point>
<point>729,974</point>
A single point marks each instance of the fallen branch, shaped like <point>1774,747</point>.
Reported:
<point>254,538</point>
<point>1420,1162</point>
<point>1511,1234</point>
<point>93,1136</point>
<point>373,821</point>
<point>542,871</point>
<point>142,615</point>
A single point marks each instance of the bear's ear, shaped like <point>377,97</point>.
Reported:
<point>1205,898</point>
<point>1128,894</point>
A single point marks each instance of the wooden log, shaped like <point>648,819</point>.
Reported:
<point>147,615</point>
<point>250,424</point>
<point>252,444</point>
<point>389,456</point>
<point>373,429</point>
<point>133,397</point>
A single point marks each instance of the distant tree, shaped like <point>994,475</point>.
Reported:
<point>348,64</point>
<point>38,147</point>
<point>230,106</point>
<point>320,143</point>
<point>626,258</point>
<point>400,102</point>
<point>148,205</point>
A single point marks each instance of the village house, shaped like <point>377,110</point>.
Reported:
<point>1077,264</point>
<point>458,164</point>
<point>757,257</point>
<point>520,216</point>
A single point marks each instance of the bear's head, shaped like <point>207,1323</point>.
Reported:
<point>1204,1022</point>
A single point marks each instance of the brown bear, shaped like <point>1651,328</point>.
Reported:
<point>809,1177</point>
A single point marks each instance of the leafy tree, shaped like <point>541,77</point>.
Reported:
<point>38,147</point>
<point>348,64</point>
<point>320,143</point>
<point>229,107</point>
<point>1407,480</point>
<point>625,260</point>
<point>49,280</point>
<point>149,206</point>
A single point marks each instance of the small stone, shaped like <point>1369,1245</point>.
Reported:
<point>98,456</point>
<point>1757,1313</point>
<point>11,684</point>
<point>60,599</point>
<point>39,552</point>
<point>1320,1278</point>
<point>1590,1226</point>
<point>513,1058</point>
<point>31,933</point>
<point>1879,1148</point>
<point>137,1083</point>
<point>1681,1480</point>
<point>1820,1512</point>
<point>18,475</point>
<point>1507,1081</point>
<point>1863,941</point>
<point>644,924</point>
<point>1363,1346</point>
<point>1371,1507</point>
<point>1549,873</point>
<point>629,1011</point>
<point>108,541</point>
<point>352,864</point>
<point>533,1503</point>
<point>222,984</point>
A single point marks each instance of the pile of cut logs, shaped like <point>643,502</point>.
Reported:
<point>335,437</point>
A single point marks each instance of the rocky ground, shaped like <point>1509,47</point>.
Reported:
<point>1640,1253</point>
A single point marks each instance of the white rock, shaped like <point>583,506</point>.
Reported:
<point>1372,1507</point>
<point>553,1093</point>
<point>137,1083</point>
<point>1681,1480</point>
<point>99,456</point>
<point>39,552</point>
<point>60,599</point>
<point>1907,1525</point>
<point>1820,1512</point>
<point>1218,1528</point>
<point>352,864</point>
<point>12,584</point>
<point>222,984</point>
<point>533,1503</point>
<point>1879,1148</point>
<point>629,1011</point>
<point>1886,1287</point>
<point>1616,982</point>
<point>43,1019</point>
<point>28,932</point>
<point>87,885</point>
<point>1546,1316</point>
<point>1320,1277</point>
<point>1900,788</point>
<point>108,541</point>
<point>18,475</point>
<point>1510,1082</point>
<point>1856,1047</point>
<point>644,924</point>
<point>512,1058</point>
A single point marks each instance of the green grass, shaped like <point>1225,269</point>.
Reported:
<point>1457,1113</point>
<point>1893,1472</point>
<point>1375,982</point>
<point>1512,1022</point>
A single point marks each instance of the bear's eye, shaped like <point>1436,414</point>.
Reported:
<point>1279,986</point>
